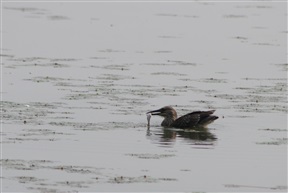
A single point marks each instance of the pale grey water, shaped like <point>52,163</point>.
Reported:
<point>78,79</point>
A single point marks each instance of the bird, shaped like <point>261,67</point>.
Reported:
<point>188,121</point>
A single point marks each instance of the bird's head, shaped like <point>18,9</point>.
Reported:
<point>167,112</point>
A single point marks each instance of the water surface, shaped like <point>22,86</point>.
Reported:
<point>78,79</point>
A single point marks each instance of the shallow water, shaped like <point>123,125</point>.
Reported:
<point>78,80</point>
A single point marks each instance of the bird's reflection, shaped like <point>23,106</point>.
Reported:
<point>168,136</point>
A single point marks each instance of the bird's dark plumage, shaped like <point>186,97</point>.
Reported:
<point>190,120</point>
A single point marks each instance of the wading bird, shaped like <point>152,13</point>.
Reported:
<point>190,120</point>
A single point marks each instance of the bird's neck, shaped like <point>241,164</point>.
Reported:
<point>168,121</point>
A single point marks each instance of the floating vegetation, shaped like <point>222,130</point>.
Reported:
<point>139,179</point>
<point>213,80</point>
<point>76,184</point>
<point>275,130</point>
<point>179,62</point>
<point>23,164</point>
<point>128,180</point>
<point>163,52</point>
<point>240,38</point>
<point>86,126</point>
<point>256,187</point>
<point>121,67</point>
<point>277,141</point>
<point>113,77</point>
<point>77,169</point>
<point>176,15</point>
<point>58,17</point>
<point>283,66</point>
<point>78,125</point>
<point>233,16</point>
<point>168,73</point>
<point>44,64</point>
<point>41,79</point>
<point>34,113</point>
<point>167,14</point>
<point>258,99</point>
<point>31,10</point>
<point>25,9</point>
<point>172,63</point>
<point>112,51</point>
<point>42,132</point>
<point>150,156</point>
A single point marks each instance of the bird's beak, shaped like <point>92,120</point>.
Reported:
<point>155,112</point>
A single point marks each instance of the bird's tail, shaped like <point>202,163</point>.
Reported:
<point>207,120</point>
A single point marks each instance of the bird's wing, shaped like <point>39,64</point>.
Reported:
<point>187,121</point>
<point>191,119</point>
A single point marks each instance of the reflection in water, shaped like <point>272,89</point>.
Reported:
<point>195,136</point>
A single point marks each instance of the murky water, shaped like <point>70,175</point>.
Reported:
<point>78,79</point>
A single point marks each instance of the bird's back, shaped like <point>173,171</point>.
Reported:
<point>194,119</point>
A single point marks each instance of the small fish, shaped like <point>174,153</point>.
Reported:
<point>149,115</point>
